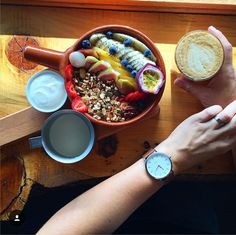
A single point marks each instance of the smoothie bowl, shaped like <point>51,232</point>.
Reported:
<point>113,74</point>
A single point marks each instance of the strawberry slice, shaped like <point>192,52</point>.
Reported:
<point>135,96</point>
<point>69,72</point>
<point>71,90</point>
<point>79,106</point>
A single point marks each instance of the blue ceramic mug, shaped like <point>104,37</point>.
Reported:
<point>67,136</point>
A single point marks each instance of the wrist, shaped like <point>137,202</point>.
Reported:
<point>166,148</point>
<point>144,178</point>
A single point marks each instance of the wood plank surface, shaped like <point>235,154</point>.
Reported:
<point>58,28</point>
<point>179,6</point>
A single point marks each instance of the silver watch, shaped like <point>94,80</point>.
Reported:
<point>159,165</point>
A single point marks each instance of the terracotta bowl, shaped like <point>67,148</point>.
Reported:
<point>59,60</point>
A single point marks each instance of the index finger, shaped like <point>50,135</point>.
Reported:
<point>226,44</point>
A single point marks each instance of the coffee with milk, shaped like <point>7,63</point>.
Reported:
<point>199,55</point>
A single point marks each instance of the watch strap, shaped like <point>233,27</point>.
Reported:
<point>149,152</point>
<point>169,177</point>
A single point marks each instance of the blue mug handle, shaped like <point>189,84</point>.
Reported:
<point>35,142</point>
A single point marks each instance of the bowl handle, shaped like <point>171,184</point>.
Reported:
<point>43,56</point>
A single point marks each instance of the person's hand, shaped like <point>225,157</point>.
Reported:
<point>201,136</point>
<point>221,89</point>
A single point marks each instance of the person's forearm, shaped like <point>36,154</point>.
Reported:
<point>105,207</point>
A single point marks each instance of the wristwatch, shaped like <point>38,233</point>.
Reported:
<point>159,165</point>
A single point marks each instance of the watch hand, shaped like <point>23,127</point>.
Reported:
<point>157,166</point>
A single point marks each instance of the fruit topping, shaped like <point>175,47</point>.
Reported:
<point>150,79</point>
<point>86,44</point>
<point>126,85</point>
<point>112,60</point>
<point>124,62</point>
<point>108,75</point>
<point>109,78</point>
<point>95,37</point>
<point>99,66</point>
<point>77,59</point>
<point>127,42</point>
<point>134,73</point>
<point>88,52</point>
<point>135,96</point>
<point>71,90</point>
<point>122,46</point>
<point>69,72</point>
<point>90,61</point>
<point>136,44</point>
<point>78,105</point>
<point>129,67</point>
<point>113,50</point>
<point>147,52</point>
<point>109,34</point>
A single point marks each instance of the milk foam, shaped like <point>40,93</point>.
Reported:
<point>200,58</point>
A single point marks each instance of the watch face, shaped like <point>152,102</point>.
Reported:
<point>158,165</point>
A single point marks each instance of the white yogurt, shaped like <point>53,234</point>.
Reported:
<point>45,91</point>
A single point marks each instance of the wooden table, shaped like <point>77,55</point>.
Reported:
<point>57,28</point>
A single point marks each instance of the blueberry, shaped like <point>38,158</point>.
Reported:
<point>127,42</point>
<point>109,34</point>
<point>141,104</point>
<point>134,73</point>
<point>129,68</point>
<point>147,52</point>
<point>86,44</point>
<point>113,50</point>
<point>124,62</point>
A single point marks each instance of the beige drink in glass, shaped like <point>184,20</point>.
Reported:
<point>199,55</point>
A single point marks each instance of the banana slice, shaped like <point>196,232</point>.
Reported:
<point>125,52</point>
<point>100,43</point>
<point>136,64</point>
<point>132,54</point>
<point>135,43</point>
<point>95,37</point>
<point>129,56</point>
<point>118,45</point>
<point>121,52</point>
<point>134,58</point>
<point>105,43</point>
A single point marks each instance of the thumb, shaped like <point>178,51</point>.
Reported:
<point>189,86</point>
